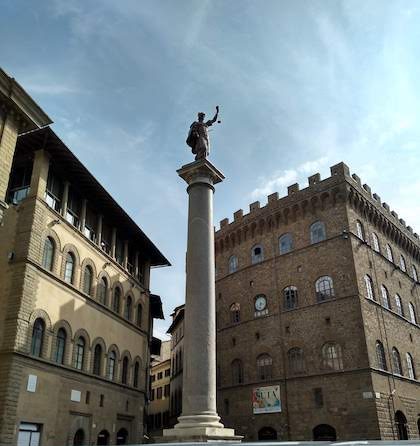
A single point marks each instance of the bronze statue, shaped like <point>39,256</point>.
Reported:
<point>198,136</point>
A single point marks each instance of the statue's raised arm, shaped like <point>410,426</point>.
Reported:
<point>212,121</point>
<point>198,136</point>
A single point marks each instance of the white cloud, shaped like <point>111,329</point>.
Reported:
<point>287,177</point>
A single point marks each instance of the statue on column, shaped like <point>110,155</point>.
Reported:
<point>198,136</point>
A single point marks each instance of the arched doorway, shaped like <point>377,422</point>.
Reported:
<point>401,424</point>
<point>79,438</point>
<point>103,438</point>
<point>267,433</point>
<point>324,432</point>
<point>122,436</point>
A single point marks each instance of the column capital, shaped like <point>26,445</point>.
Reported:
<point>201,171</point>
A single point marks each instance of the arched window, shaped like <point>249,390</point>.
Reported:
<point>38,333</point>
<point>87,280</point>
<point>410,366</point>
<point>369,287</point>
<point>48,254</point>
<point>60,346</point>
<point>124,373</point>
<point>389,254</point>
<point>396,362</point>
<point>375,242</point>
<point>324,432</point>
<point>317,231</point>
<point>380,356</point>
<point>412,313</point>
<point>136,375</point>
<point>295,357</point>
<point>102,290</point>
<point>79,356</point>
<point>402,264</point>
<point>290,294</point>
<point>267,433</point>
<point>237,372</point>
<point>332,357</point>
<point>398,305</point>
<point>112,360</point>
<point>233,264</point>
<point>235,313</point>
<point>264,367</point>
<point>128,308</point>
<point>97,360</point>
<point>360,230</point>
<point>69,268</point>
<point>285,243</point>
<point>257,254</point>
<point>414,273</point>
<point>324,288</point>
<point>139,315</point>
<point>122,436</point>
<point>385,297</point>
<point>117,300</point>
<point>79,438</point>
<point>401,423</point>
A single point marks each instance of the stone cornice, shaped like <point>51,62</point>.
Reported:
<point>18,100</point>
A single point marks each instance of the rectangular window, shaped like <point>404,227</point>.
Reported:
<point>160,375</point>
<point>119,251</point>
<point>90,225</point>
<point>101,400</point>
<point>159,393</point>
<point>54,192</point>
<point>318,397</point>
<point>87,399</point>
<point>153,378</point>
<point>152,395</point>
<point>73,209</point>
<point>20,182</point>
<point>167,390</point>
<point>29,434</point>
<point>168,372</point>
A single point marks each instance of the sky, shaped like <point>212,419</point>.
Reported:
<point>301,85</point>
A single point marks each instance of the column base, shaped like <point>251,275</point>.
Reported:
<point>199,434</point>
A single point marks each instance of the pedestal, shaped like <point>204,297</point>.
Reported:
<point>199,420</point>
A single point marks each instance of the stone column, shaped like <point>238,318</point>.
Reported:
<point>199,420</point>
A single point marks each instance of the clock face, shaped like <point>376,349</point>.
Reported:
<point>260,303</point>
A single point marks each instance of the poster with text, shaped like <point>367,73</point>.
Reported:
<point>266,399</point>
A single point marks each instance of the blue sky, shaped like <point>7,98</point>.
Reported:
<point>302,85</point>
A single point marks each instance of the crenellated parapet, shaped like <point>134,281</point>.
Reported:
<point>319,195</point>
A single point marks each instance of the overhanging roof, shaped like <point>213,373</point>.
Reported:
<point>69,167</point>
<point>15,96</point>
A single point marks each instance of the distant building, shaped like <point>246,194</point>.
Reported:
<point>160,377</point>
<point>76,308</point>
<point>176,330</point>
<point>318,306</point>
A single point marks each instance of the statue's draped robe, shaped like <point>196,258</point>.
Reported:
<point>198,139</point>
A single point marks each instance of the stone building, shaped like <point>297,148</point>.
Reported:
<point>76,311</point>
<point>317,314</point>
<point>176,330</point>
<point>160,377</point>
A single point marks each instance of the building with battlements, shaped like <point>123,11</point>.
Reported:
<point>318,306</point>
<point>76,310</point>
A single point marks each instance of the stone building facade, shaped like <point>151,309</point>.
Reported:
<point>159,406</point>
<point>317,298</point>
<point>76,311</point>
<point>176,330</point>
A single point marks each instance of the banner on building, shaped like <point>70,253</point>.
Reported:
<point>266,399</point>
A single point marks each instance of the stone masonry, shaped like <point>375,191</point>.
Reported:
<point>323,349</point>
